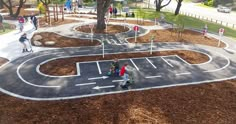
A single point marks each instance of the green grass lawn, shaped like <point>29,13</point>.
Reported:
<point>7,29</point>
<point>188,22</point>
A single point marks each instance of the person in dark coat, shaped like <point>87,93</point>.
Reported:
<point>115,11</point>
<point>34,21</point>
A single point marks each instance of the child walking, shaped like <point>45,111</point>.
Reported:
<point>22,41</point>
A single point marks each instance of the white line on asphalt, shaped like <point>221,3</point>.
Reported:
<point>99,69</point>
<point>158,76</point>
<point>134,64</point>
<point>85,84</point>
<point>182,60</point>
<point>167,62</point>
<point>185,73</point>
<point>19,75</point>
<point>151,63</point>
<point>78,68</point>
<point>228,63</point>
<point>117,80</point>
<point>103,87</point>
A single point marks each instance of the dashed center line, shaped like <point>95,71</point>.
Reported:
<point>158,76</point>
<point>185,73</point>
<point>85,84</point>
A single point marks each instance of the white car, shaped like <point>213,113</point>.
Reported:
<point>224,9</point>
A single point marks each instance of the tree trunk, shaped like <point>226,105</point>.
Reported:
<point>19,8</point>
<point>158,5</point>
<point>1,4</point>
<point>102,8</point>
<point>178,7</point>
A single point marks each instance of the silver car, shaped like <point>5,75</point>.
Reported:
<point>224,9</point>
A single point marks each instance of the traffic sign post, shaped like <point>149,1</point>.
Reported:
<point>151,39</point>
<point>91,26</point>
<point>221,33</point>
<point>136,28</point>
<point>103,42</point>
<point>156,21</point>
<point>106,20</point>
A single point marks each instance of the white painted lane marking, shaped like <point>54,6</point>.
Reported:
<point>117,80</point>
<point>167,62</point>
<point>103,87</point>
<point>158,76</point>
<point>228,63</point>
<point>103,77</point>
<point>185,73</point>
<point>85,84</point>
<point>78,68</point>
<point>19,75</point>
<point>134,64</point>
<point>182,60</point>
<point>99,69</point>
<point>151,63</point>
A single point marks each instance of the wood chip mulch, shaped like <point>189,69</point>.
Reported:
<point>67,66</point>
<point>213,103</point>
<point>43,23</point>
<point>188,36</point>
<point>111,29</point>
<point>62,41</point>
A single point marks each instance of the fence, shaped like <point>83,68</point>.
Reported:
<point>230,25</point>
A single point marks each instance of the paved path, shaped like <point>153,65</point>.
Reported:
<point>21,76</point>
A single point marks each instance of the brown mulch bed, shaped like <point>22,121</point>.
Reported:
<point>43,23</point>
<point>111,29</point>
<point>139,22</point>
<point>3,61</point>
<point>212,103</point>
<point>167,35</point>
<point>62,41</point>
<point>67,66</point>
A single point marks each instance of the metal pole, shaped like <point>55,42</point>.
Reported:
<point>151,46</point>
<point>103,49</point>
<point>219,40</point>
<point>135,36</point>
<point>91,35</point>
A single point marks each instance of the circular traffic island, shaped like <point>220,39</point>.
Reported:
<point>111,29</point>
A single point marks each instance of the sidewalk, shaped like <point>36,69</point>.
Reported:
<point>10,47</point>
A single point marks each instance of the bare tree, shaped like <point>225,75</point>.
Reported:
<point>179,3</point>
<point>102,8</point>
<point>159,5</point>
<point>8,4</point>
<point>45,2</point>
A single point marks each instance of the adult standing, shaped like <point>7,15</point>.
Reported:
<point>1,23</point>
<point>34,21</point>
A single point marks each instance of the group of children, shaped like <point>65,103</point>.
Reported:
<point>123,72</point>
<point>113,11</point>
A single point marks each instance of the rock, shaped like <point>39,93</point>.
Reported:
<point>37,43</point>
<point>50,43</point>
<point>37,38</point>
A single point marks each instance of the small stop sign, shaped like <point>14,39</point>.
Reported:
<point>221,31</point>
<point>91,25</point>
<point>136,28</point>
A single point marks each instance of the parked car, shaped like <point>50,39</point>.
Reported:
<point>224,9</point>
